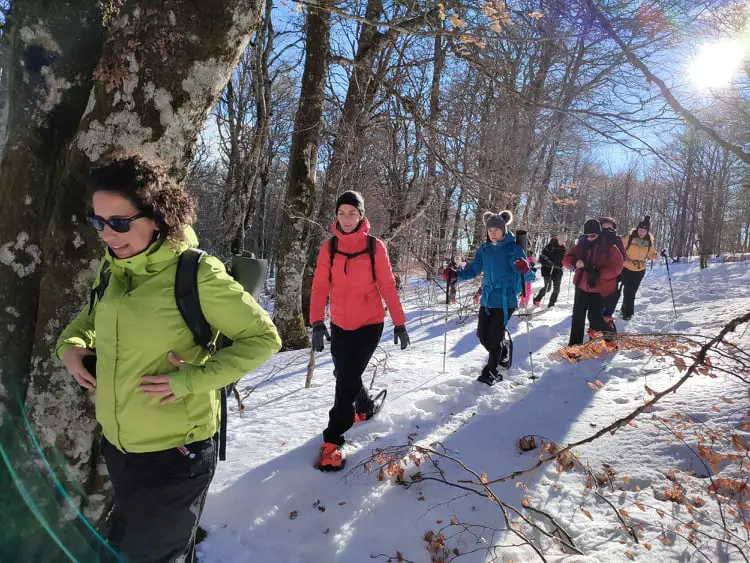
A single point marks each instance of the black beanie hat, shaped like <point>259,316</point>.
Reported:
<point>645,223</point>
<point>351,198</point>
<point>592,227</point>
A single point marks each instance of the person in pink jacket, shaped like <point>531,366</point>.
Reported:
<point>353,269</point>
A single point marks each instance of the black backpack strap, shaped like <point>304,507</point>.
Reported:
<point>371,247</point>
<point>98,292</point>
<point>188,301</point>
<point>333,244</point>
<point>189,305</point>
<point>223,426</point>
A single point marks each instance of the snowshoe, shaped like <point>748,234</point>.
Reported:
<point>376,405</point>
<point>506,354</point>
<point>331,458</point>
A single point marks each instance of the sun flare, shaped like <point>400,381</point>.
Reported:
<point>716,64</point>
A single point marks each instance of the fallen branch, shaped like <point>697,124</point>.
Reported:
<point>699,360</point>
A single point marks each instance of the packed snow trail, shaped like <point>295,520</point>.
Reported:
<point>267,503</point>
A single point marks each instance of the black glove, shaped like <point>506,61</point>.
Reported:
<point>399,333</point>
<point>664,253</point>
<point>319,331</point>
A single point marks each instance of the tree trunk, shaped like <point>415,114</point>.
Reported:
<point>158,74</point>
<point>300,198</point>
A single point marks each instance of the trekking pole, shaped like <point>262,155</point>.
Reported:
<point>522,241</point>
<point>528,330</point>
<point>669,277</point>
<point>445,323</point>
<point>445,330</point>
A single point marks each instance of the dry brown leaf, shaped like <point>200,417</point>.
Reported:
<point>587,513</point>
<point>293,514</point>
<point>739,444</point>
<point>457,22</point>
<point>594,387</point>
<point>623,512</point>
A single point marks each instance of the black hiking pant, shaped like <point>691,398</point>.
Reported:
<point>351,351</point>
<point>551,281</point>
<point>159,498</point>
<point>491,333</point>
<point>631,281</point>
<point>586,304</point>
<point>609,303</point>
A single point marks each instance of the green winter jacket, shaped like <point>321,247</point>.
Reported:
<point>137,323</point>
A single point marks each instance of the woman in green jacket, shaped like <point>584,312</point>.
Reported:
<point>157,391</point>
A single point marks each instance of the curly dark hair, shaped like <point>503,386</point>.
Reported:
<point>148,186</point>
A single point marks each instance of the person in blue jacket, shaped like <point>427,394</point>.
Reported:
<point>503,264</point>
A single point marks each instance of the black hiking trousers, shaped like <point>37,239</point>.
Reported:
<point>609,303</point>
<point>551,281</point>
<point>586,304</point>
<point>631,281</point>
<point>491,333</point>
<point>351,351</point>
<point>159,498</point>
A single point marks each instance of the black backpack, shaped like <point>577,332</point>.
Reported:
<point>246,269</point>
<point>333,244</point>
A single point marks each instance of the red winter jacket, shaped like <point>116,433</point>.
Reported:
<point>605,257</point>
<point>356,300</point>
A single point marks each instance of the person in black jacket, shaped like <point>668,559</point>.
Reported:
<point>552,270</point>
<point>609,303</point>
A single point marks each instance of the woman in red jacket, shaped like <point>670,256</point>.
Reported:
<point>354,270</point>
<point>597,263</point>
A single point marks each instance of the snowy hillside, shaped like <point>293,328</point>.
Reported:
<point>268,504</point>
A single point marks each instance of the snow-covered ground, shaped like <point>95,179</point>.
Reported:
<point>268,504</point>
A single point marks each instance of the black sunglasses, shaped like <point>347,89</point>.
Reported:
<point>117,224</point>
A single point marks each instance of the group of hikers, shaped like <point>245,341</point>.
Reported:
<point>159,381</point>
<point>606,266</point>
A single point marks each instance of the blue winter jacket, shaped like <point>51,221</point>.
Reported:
<point>502,282</point>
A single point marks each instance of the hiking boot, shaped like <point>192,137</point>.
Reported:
<point>488,376</point>
<point>331,457</point>
<point>360,417</point>
<point>626,316</point>
<point>594,334</point>
<point>373,407</point>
